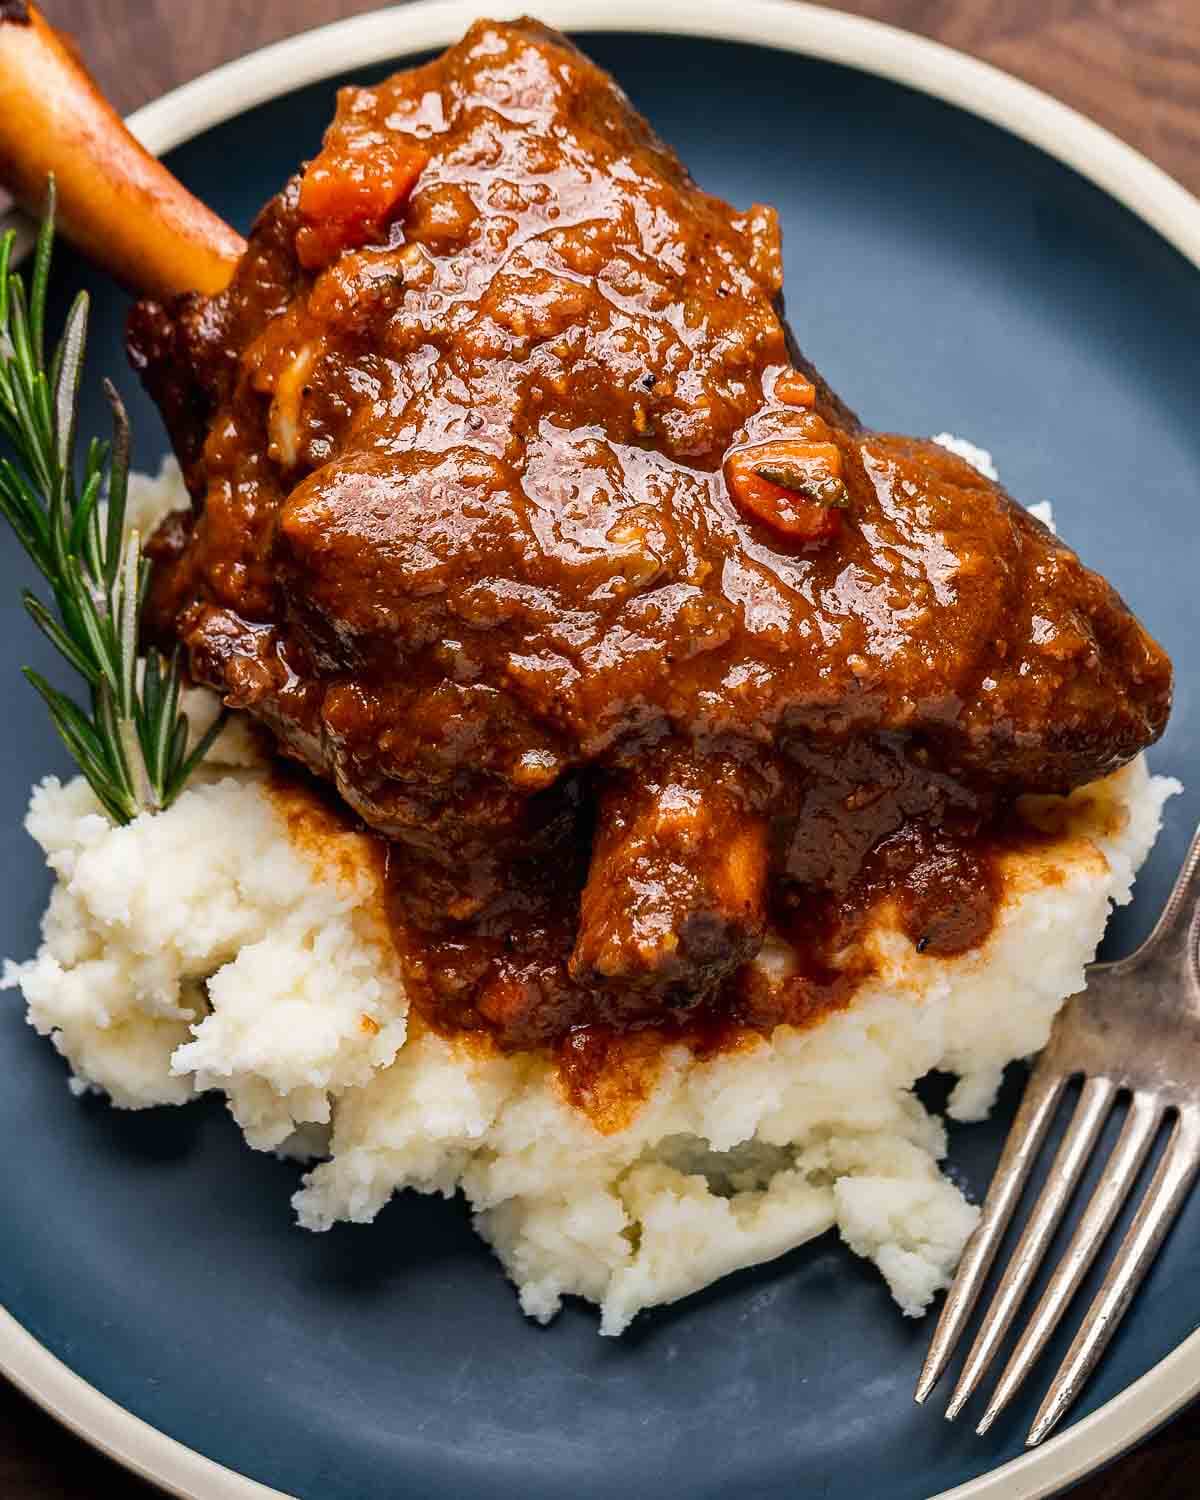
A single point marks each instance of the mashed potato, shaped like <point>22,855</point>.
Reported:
<point>237,942</point>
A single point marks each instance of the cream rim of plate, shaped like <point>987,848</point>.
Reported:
<point>789,26</point>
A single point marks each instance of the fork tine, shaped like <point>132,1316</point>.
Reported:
<point>1141,1123</point>
<point>1024,1141</point>
<point>1095,1101</point>
<point>1156,1213</point>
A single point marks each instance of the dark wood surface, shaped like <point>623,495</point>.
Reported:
<point>1134,65</point>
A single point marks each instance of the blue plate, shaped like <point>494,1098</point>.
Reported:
<point>944,276</point>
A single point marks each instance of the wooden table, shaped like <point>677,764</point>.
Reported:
<point>1134,65</point>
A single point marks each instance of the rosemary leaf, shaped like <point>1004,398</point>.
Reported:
<point>81,739</point>
<point>127,616</point>
<point>41,275</point>
<point>118,482</point>
<point>21,510</point>
<point>85,534</point>
<point>185,764</point>
<point>68,374</point>
<point>56,635</point>
<point>132,742</point>
<point>6,249</point>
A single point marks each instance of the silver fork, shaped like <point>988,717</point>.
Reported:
<point>1134,1029</point>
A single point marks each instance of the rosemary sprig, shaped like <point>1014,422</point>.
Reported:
<point>133,744</point>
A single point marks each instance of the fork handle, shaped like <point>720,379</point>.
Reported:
<point>1172,944</point>
<point>1178,921</point>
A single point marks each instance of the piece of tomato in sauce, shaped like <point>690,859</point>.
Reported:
<point>350,193</point>
<point>791,486</point>
<point>793,389</point>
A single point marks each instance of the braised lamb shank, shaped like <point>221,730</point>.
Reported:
<point>520,517</point>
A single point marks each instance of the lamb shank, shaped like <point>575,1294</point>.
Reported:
<point>520,517</point>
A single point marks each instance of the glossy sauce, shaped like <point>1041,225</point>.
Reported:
<point>520,518</point>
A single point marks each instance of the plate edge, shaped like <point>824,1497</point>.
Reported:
<point>103,1423</point>
<point>874,47</point>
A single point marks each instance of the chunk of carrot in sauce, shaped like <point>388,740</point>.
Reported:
<point>794,390</point>
<point>349,195</point>
<point>792,487</point>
